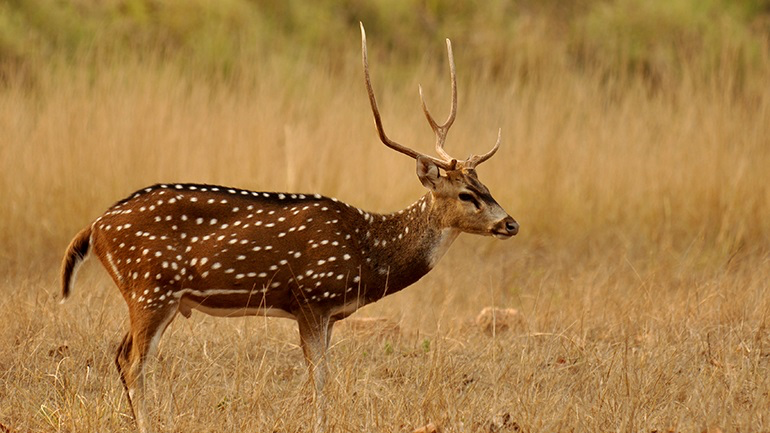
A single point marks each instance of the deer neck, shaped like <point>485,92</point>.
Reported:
<point>405,245</point>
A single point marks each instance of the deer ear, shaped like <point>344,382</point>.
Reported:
<point>428,173</point>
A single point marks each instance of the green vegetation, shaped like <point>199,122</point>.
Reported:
<point>656,39</point>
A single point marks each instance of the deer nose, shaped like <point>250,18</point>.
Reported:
<point>511,226</point>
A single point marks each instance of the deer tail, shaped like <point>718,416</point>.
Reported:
<point>76,252</point>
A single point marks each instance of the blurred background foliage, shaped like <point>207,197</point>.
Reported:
<point>661,41</point>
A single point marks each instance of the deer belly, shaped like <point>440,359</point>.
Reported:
<point>230,303</point>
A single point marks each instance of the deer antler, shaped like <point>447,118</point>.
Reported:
<point>475,160</point>
<point>447,162</point>
<point>441,130</point>
<point>446,165</point>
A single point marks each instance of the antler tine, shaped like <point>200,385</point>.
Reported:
<point>441,130</point>
<point>446,165</point>
<point>475,160</point>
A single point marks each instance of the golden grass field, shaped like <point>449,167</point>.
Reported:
<point>640,272</point>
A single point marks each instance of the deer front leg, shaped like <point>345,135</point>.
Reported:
<point>315,333</point>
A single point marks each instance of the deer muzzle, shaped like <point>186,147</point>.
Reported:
<point>505,228</point>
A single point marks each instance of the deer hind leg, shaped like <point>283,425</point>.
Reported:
<point>138,345</point>
<point>315,333</point>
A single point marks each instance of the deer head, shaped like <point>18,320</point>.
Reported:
<point>460,199</point>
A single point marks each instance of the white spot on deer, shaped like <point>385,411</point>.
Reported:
<point>183,217</point>
<point>270,225</point>
<point>268,247</point>
<point>216,265</point>
<point>199,221</point>
<point>282,234</point>
<point>273,267</point>
<point>232,241</point>
<point>262,274</point>
<point>356,279</point>
<point>205,274</point>
<point>321,262</point>
<point>223,201</point>
<point>239,276</point>
<point>275,284</point>
<point>229,270</point>
<point>297,255</point>
<point>210,201</point>
<point>332,258</point>
<point>194,239</point>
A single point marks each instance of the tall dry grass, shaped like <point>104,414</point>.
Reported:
<point>640,271</point>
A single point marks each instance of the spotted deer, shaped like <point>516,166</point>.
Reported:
<point>175,248</point>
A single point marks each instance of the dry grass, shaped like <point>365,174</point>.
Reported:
<point>640,272</point>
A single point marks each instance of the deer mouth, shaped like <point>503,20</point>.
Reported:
<point>505,229</point>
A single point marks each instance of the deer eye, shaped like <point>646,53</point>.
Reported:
<point>464,196</point>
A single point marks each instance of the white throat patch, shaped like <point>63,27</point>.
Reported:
<point>441,246</point>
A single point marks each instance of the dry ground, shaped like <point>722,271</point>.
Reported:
<point>640,273</point>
